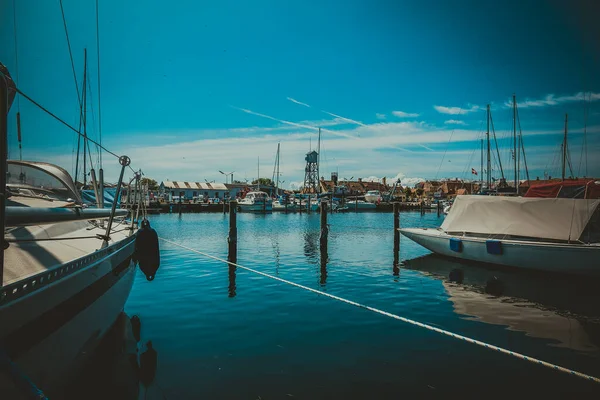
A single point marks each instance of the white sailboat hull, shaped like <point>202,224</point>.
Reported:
<point>554,257</point>
<point>50,332</point>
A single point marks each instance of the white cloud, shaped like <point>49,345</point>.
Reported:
<point>455,122</point>
<point>552,100</point>
<point>457,110</point>
<point>380,116</point>
<point>298,102</point>
<point>402,114</point>
<point>345,119</point>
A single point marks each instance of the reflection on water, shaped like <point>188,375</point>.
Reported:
<point>214,324</point>
<point>122,367</point>
<point>535,303</point>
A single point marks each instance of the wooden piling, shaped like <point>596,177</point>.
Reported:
<point>439,208</point>
<point>232,239</point>
<point>396,232</point>
<point>422,207</point>
<point>223,205</point>
<point>324,232</point>
<point>356,204</point>
<point>180,202</point>
<point>308,205</point>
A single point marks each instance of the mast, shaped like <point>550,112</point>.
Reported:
<point>84,114</point>
<point>319,162</point>
<point>515,154</point>
<point>258,169</point>
<point>277,179</point>
<point>481,169</point>
<point>564,148</point>
<point>489,161</point>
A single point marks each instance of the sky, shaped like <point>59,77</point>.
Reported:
<point>398,88</point>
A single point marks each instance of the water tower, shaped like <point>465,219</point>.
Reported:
<point>311,172</point>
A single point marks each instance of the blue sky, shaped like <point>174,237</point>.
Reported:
<point>189,88</point>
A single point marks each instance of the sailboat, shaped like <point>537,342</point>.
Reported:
<point>256,201</point>
<point>66,270</point>
<point>281,203</point>
<point>541,232</point>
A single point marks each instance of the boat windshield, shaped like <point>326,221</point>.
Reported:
<point>33,180</point>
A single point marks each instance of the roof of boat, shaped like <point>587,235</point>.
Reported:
<point>54,170</point>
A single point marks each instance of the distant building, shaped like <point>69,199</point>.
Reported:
<point>353,188</point>
<point>448,188</point>
<point>193,190</point>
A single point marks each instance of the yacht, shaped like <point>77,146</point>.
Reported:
<point>360,205</point>
<point>258,202</point>
<point>548,234</point>
<point>66,269</point>
<point>373,196</point>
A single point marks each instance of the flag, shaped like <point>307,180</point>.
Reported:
<point>473,171</point>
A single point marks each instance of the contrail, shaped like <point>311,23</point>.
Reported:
<point>344,118</point>
<point>298,102</point>
<point>425,147</point>
<point>314,128</point>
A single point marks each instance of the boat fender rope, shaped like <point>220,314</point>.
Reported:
<point>398,317</point>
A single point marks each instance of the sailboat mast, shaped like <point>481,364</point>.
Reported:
<point>481,169</point>
<point>489,161</point>
<point>277,179</point>
<point>515,154</point>
<point>84,114</point>
<point>319,162</point>
<point>258,172</point>
<point>564,148</point>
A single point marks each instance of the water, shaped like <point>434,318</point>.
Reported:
<point>222,334</point>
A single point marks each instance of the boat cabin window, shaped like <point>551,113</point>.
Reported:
<point>23,180</point>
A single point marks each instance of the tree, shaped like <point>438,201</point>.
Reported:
<point>263,182</point>
<point>420,192</point>
<point>407,192</point>
<point>151,183</point>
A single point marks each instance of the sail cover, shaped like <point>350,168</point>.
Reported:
<point>558,219</point>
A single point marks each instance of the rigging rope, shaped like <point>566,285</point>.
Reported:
<point>19,91</point>
<point>397,317</point>
<point>99,102</point>
<point>70,53</point>
<point>446,149</point>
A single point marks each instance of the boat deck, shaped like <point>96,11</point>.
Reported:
<point>30,253</point>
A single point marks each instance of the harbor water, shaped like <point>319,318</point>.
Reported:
<point>222,333</point>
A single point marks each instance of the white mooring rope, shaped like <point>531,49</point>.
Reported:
<point>403,319</point>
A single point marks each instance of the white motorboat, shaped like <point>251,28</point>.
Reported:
<point>373,196</point>
<point>561,235</point>
<point>258,202</point>
<point>360,205</point>
<point>280,205</point>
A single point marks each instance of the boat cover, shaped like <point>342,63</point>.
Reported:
<point>570,188</point>
<point>558,219</point>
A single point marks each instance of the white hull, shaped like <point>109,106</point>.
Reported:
<point>372,198</point>
<point>555,257</point>
<point>50,332</point>
<point>256,207</point>
<point>281,207</point>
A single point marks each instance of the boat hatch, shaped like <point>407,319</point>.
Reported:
<point>40,180</point>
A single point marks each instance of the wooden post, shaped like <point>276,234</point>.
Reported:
<point>232,239</point>
<point>422,208</point>
<point>396,232</point>
<point>308,205</point>
<point>356,204</point>
<point>286,201</point>
<point>439,208</point>
<point>180,203</point>
<point>324,232</point>
<point>223,205</point>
